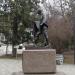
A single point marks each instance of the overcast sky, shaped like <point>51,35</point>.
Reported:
<point>43,5</point>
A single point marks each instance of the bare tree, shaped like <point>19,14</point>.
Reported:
<point>72,5</point>
<point>60,22</point>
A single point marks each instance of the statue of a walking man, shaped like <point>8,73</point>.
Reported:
<point>41,27</point>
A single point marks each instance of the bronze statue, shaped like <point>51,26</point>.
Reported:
<point>41,29</point>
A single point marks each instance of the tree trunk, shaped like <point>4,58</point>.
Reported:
<point>73,22</point>
<point>14,37</point>
<point>14,51</point>
<point>7,49</point>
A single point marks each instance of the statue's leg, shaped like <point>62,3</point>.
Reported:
<point>37,37</point>
<point>35,29</point>
<point>45,32</point>
<point>46,40</point>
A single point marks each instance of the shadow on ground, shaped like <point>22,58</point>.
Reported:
<point>21,73</point>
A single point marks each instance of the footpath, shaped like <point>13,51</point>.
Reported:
<point>9,66</point>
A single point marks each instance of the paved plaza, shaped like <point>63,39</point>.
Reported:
<point>10,66</point>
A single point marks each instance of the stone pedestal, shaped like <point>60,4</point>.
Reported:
<point>41,61</point>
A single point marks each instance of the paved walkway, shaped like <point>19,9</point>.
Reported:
<point>67,69</point>
<point>9,66</point>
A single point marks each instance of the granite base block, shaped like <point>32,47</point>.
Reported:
<point>39,61</point>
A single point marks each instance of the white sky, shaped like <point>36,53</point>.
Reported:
<point>43,6</point>
<point>56,5</point>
